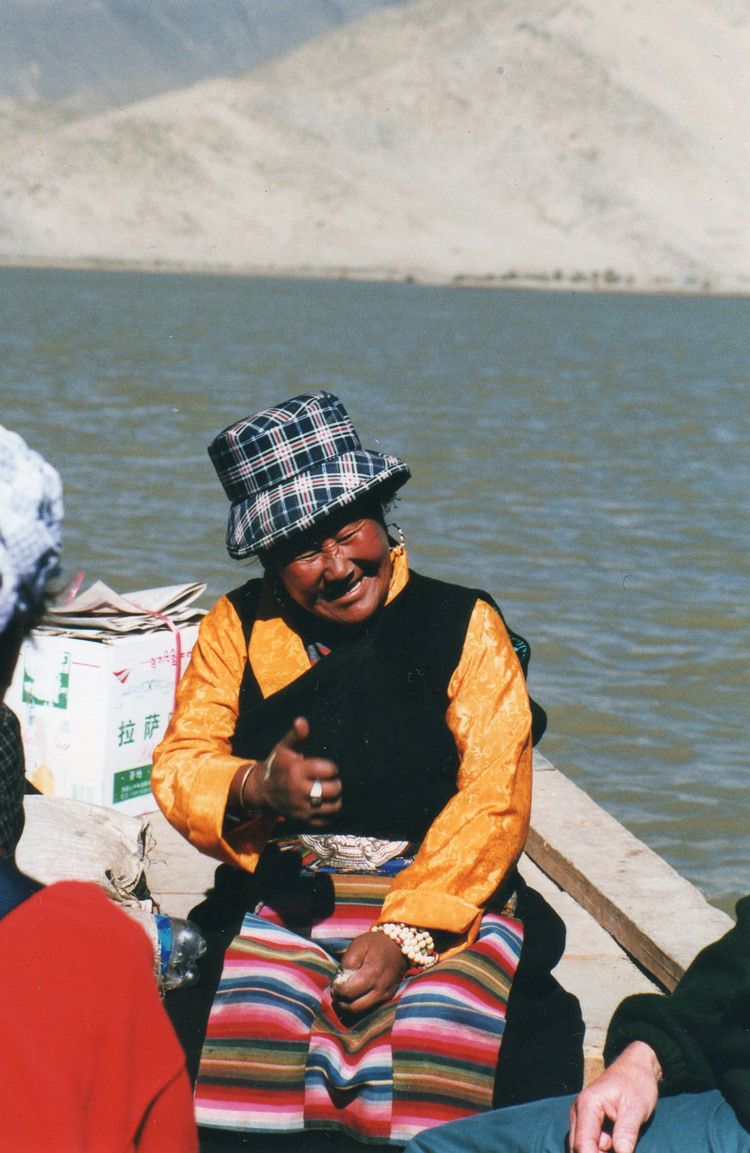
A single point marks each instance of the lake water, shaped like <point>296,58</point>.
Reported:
<point>584,458</point>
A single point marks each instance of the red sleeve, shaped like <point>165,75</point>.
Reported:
<point>87,1048</point>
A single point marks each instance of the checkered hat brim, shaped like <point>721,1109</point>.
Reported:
<point>308,498</point>
<point>287,468</point>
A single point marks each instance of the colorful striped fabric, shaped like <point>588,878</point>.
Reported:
<point>277,1059</point>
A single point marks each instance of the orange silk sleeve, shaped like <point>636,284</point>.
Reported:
<point>474,843</point>
<point>193,765</point>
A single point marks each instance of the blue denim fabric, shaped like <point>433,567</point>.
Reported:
<point>688,1123</point>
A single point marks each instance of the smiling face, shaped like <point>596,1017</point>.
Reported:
<point>340,573</point>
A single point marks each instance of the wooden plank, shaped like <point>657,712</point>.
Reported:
<point>658,917</point>
<point>594,967</point>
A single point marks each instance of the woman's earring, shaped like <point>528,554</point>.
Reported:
<point>400,531</point>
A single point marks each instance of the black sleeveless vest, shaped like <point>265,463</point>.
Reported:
<point>376,707</point>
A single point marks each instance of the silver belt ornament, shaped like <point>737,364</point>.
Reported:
<point>352,854</point>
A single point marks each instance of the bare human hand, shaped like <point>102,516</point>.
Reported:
<point>283,781</point>
<point>375,966</point>
<point>626,1093</point>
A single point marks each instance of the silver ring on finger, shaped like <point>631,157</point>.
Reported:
<point>316,794</point>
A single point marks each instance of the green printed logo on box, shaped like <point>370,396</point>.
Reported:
<point>132,783</point>
<point>48,687</point>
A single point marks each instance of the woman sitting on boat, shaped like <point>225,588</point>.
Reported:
<point>357,737</point>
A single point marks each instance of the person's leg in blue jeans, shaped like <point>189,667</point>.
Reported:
<point>688,1123</point>
<point>539,1127</point>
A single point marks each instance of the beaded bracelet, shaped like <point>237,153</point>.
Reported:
<point>417,945</point>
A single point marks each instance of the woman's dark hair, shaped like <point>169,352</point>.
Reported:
<point>15,632</point>
<point>27,619</point>
<point>23,622</point>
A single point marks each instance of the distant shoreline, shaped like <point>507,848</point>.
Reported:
<point>594,282</point>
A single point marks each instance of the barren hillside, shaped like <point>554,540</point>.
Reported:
<point>484,139</point>
<point>101,53</point>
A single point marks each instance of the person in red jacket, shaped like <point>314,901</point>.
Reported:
<point>89,1062</point>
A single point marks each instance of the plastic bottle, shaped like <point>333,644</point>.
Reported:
<point>181,945</point>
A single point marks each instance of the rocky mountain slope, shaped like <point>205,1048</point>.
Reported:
<point>103,53</point>
<point>487,139</point>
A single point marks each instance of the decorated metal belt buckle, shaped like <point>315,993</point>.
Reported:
<point>352,854</point>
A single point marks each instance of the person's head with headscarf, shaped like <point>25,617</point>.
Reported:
<point>31,511</point>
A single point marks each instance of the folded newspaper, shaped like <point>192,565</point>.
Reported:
<point>100,613</point>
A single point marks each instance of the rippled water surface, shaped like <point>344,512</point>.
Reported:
<point>584,458</point>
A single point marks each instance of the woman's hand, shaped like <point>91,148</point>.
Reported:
<point>283,782</point>
<point>626,1094</point>
<point>373,970</point>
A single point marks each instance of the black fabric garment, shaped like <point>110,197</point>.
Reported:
<point>313,630</point>
<point>219,918</point>
<point>12,776</point>
<point>376,707</point>
<point>15,887</point>
<point>542,1050</point>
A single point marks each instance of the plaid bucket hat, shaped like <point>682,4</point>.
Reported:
<point>287,468</point>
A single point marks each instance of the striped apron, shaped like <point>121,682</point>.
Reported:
<point>277,1058</point>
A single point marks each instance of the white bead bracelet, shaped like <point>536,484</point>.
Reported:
<point>416,944</point>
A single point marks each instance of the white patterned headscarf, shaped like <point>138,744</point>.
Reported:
<point>31,511</point>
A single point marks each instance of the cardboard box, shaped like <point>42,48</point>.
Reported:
<point>92,713</point>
